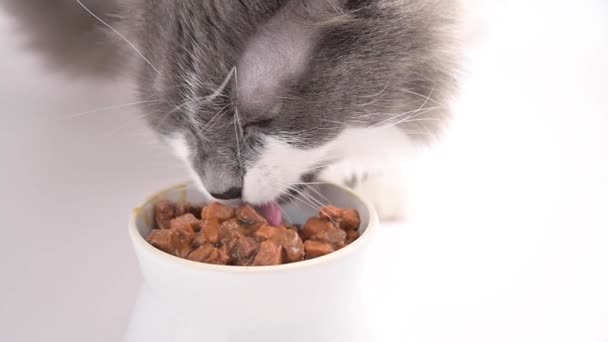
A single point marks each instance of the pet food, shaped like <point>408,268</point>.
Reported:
<point>222,235</point>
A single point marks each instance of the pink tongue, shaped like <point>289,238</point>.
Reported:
<point>273,214</point>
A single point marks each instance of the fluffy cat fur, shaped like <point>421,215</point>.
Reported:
<point>259,96</point>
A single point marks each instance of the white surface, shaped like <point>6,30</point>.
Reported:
<point>508,237</point>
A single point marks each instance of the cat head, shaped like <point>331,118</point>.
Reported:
<point>257,96</point>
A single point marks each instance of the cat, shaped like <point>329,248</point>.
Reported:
<point>261,97</point>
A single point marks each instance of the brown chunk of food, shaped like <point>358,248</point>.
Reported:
<point>266,232</point>
<point>334,236</point>
<point>207,253</point>
<point>230,230</point>
<point>315,249</point>
<point>351,236</point>
<point>161,239</point>
<point>210,230</point>
<point>244,248</point>
<point>293,247</point>
<point>172,241</point>
<point>270,253</point>
<point>350,219</point>
<point>314,226</point>
<point>188,208</point>
<point>199,240</point>
<point>185,239</point>
<point>242,237</point>
<point>223,255</point>
<point>289,239</point>
<point>319,229</point>
<point>248,215</point>
<point>218,211</point>
<point>186,222</point>
<point>201,253</point>
<point>331,212</point>
<point>164,212</point>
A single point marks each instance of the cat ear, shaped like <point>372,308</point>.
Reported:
<point>280,50</point>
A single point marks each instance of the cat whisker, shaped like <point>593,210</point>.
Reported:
<point>308,197</point>
<point>108,108</point>
<point>303,201</point>
<point>320,166</point>
<point>376,98</point>
<point>204,99</point>
<point>196,100</point>
<point>333,121</point>
<point>209,124</point>
<point>236,134</point>
<point>126,123</point>
<point>296,198</point>
<point>284,213</point>
<point>326,161</point>
<point>309,185</point>
<point>422,96</point>
<point>120,35</point>
<point>238,128</point>
<point>125,105</point>
<point>411,114</point>
<point>406,120</point>
<point>315,204</point>
<point>222,86</point>
<point>419,111</point>
<point>420,133</point>
<point>421,107</point>
<point>412,119</point>
<point>195,83</point>
<point>287,97</point>
<point>184,104</point>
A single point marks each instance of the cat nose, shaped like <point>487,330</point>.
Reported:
<point>232,193</point>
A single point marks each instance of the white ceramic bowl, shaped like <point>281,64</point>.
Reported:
<point>313,300</point>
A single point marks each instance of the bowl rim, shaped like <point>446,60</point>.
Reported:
<point>141,244</point>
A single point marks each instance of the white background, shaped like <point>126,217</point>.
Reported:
<point>508,238</point>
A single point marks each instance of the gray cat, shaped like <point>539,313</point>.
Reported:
<point>259,97</point>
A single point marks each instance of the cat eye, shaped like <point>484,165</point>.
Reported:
<point>262,123</point>
<point>267,119</point>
